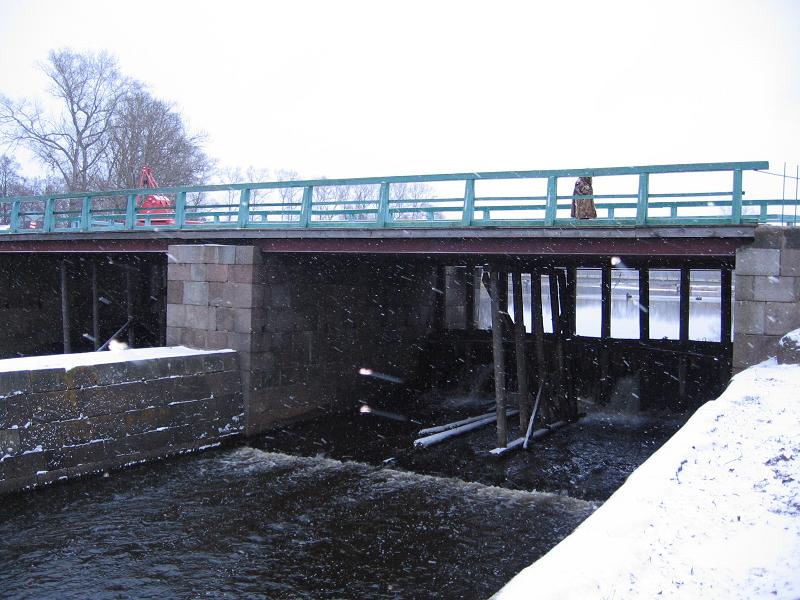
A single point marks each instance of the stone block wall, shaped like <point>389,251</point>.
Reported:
<point>303,325</point>
<point>767,294</point>
<point>63,418</point>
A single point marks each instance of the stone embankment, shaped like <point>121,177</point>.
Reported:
<point>68,415</point>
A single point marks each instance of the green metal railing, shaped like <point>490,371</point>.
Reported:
<point>401,202</point>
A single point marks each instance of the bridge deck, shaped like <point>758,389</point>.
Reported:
<point>691,241</point>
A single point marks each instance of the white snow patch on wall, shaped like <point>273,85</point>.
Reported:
<point>70,361</point>
<point>715,513</point>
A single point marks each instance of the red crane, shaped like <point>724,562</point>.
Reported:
<point>153,203</point>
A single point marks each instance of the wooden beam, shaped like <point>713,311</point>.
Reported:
<point>554,301</point>
<point>683,361</point>
<point>725,306</point>
<point>644,303</point>
<point>537,323</point>
<point>502,287</point>
<point>519,345</point>
<point>572,300</point>
<point>685,288</point>
<point>469,297</point>
<point>439,299</point>
<point>129,300</point>
<point>95,308</point>
<point>564,341</point>
<point>605,303</point>
<point>499,360</point>
<point>65,316</point>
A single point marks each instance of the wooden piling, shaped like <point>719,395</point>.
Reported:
<point>726,315</point>
<point>65,324</point>
<point>605,303</point>
<point>129,300</point>
<point>605,334</point>
<point>572,301</point>
<point>519,344</point>
<point>499,360</point>
<point>725,306</point>
<point>564,341</point>
<point>554,302</point>
<point>439,300</point>
<point>95,308</point>
<point>683,360</point>
<point>537,324</point>
<point>644,303</point>
<point>469,297</point>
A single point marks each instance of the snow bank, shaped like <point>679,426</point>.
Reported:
<point>70,361</point>
<point>715,513</point>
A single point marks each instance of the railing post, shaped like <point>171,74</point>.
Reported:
<point>180,209</point>
<point>130,211</point>
<point>641,202</point>
<point>469,203</point>
<point>244,208</point>
<point>49,217</point>
<point>552,201</point>
<point>85,213</point>
<point>15,206</point>
<point>736,198</point>
<point>305,207</point>
<point>383,205</point>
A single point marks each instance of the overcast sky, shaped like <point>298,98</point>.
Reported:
<point>373,88</point>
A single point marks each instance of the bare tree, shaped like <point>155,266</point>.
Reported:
<point>148,131</point>
<point>12,184</point>
<point>104,129</point>
<point>74,141</point>
<point>410,196</point>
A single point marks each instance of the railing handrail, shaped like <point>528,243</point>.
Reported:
<point>442,177</point>
<point>310,208</point>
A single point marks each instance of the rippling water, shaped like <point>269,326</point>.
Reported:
<point>245,523</point>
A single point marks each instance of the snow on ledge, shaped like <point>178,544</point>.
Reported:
<point>70,361</point>
<point>715,513</point>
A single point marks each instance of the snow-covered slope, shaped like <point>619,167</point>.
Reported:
<point>715,513</point>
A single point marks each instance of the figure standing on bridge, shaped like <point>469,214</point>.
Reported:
<point>583,208</point>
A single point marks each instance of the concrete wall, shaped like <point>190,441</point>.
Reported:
<point>767,294</point>
<point>62,421</point>
<point>303,324</point>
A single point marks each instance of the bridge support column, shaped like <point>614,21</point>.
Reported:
<point>767,294</point>
<point>215,300</point>
<point>305,326</point>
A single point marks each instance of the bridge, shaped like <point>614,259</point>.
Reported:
<point>425,278</point>
<point>507,212</point>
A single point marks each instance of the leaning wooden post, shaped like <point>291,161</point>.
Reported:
<point>65,330</point>
<point>519,344</point>
<point>95,308</point>
<point>499,361</point>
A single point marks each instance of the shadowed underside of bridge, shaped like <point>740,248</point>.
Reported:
<point>690,242</point>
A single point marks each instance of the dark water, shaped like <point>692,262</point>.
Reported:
<point>243,523</point>
<point>341,507</point>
